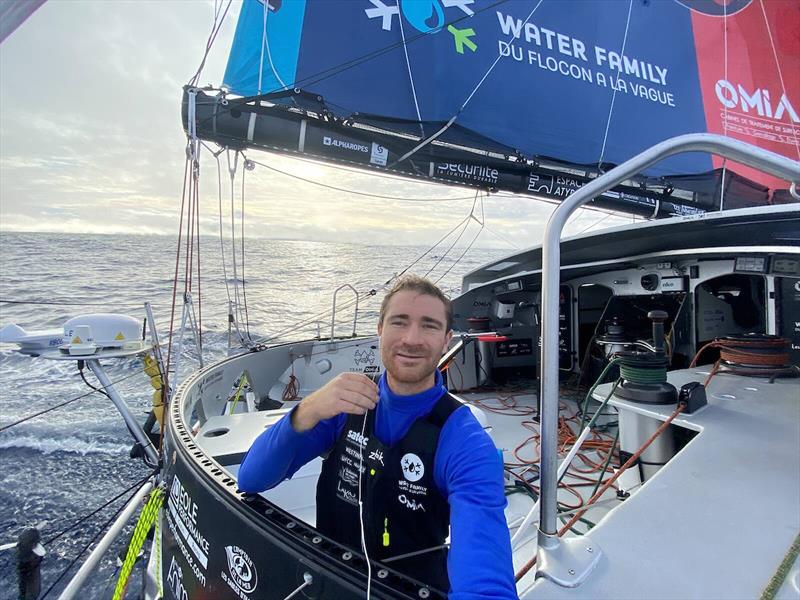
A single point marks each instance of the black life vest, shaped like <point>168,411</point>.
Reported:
<point>403,509</point>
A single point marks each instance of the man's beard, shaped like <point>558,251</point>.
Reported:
<point>422,370</point>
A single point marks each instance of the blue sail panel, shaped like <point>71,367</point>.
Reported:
<point>257,63</point>
<point>580,81</point>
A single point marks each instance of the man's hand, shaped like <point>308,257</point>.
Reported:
<point>352,393</point>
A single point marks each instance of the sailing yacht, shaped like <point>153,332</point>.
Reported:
<point>641,382</point>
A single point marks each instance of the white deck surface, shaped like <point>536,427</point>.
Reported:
<point>718,519</point>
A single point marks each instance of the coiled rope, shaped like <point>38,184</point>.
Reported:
<point>755,355</point>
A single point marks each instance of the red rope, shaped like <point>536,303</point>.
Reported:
<point>521,573</point>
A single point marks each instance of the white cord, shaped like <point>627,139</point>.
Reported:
<point>232,171</point>
<point>307,581</point>
<point>452,120</point>
<point>265,45</point>
<point>614,93</point>
<point>361,505</point>
<point>778,67</point>
<point>408,66</point>
<point>724,105</point>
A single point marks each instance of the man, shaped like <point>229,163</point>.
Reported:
<point>415,456</point>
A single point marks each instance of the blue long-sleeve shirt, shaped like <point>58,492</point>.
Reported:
<point>468,471</point>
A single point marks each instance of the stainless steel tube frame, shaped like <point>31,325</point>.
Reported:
<point>113,532</point>
<point>769,162</point>
<point>130,420</point>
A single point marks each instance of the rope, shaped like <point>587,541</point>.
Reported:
<point>199,289</point>
<point>775,583</point>
<point>458,237</point>
<point>244,279</point>
<point>408,66</point>
<point>732,355</point>
<point>90,543</point>
<point>146,520</point>
<point>357,193</point>
<point>642,375</point>
<point>269,52</point>
<point>315,78</point>
<point>527,567</point>
<point>371,293</point>
<point>307,580</point>
<point>87,516</point>
<point>221,236</point>
<point>242,382</point>
<point>614,93</point>
<point>232,172</point>
<point>452,120</point>
<point>778,67</point>
<point>52,408</point>
<point>215,27</point>
<point>175,277</point>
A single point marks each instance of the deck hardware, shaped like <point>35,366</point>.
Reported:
<point>383,574</point>
<point>333,309</point>
<point>347,556</point>
<point>424,592</point>
<point>552,551</point>
<point>290,525</point>
<point>316,539</point>
<point>268,511</point>
<point>589,549</point>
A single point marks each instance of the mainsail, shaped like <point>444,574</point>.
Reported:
<point>532,97</point>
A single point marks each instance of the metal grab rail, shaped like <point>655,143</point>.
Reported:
<point>565,561</point>
<point>333,310</point>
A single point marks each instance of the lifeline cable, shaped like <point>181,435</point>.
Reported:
<point>85,517</point>
<point>86,547</point>
<point>47,410</point>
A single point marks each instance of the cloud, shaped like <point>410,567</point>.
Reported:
<point>91,141</point>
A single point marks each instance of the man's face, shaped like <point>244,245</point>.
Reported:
<point>414,336</point>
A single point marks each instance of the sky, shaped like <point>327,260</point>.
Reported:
<point>91,141</point>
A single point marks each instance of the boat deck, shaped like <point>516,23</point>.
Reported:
<point>746,453</point>
<point>672,538</point>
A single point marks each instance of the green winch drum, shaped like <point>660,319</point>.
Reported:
<point>644,379</point>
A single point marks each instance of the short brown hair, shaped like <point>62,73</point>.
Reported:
<point>415,283</point>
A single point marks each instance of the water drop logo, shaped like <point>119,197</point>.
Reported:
<point>426,16</point>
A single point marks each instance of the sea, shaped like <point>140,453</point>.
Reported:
<point>60,467</point>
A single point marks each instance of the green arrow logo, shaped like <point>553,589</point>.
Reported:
<point>461,38</point>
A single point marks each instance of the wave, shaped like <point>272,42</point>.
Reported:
<point>72,445</point>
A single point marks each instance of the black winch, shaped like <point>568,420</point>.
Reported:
<point>644,374</point>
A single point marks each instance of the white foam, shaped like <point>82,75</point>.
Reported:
<point>69,444</point>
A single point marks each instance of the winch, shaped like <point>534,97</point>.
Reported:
<point>644,381</point>
<point>614,340</point>
<point>644,374</point>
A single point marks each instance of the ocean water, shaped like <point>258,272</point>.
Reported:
<point>61,466</point>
